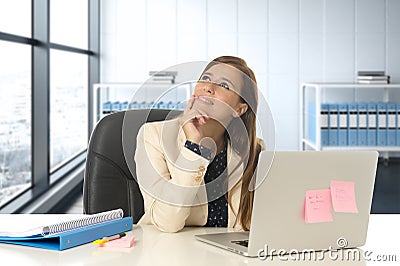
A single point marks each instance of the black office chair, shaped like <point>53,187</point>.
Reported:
<point>108,181</point>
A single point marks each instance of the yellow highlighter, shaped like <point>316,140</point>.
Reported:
<point>108,238</point>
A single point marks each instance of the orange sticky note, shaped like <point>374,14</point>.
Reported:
<point>343,196</point>
<point>318,206</point>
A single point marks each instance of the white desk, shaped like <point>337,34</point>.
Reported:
<point>155,248</point>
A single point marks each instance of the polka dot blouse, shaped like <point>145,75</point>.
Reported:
<point>217,174</point>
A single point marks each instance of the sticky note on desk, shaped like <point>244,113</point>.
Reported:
<point>318,206</point>
<point>124,242</point>
<point>343,196</point>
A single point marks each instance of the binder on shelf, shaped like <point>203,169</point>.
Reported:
<point>352,124</point>
<point>61,231</point>
<point>170,105</point>
<point>162,105</point>
<point>106,107</point>
<point>342,137</point>
<point>116,106</point>
<point>362,124</point>
<point>397,124</point>
<point>124,106</point>
<point>391,124</point>
<point>134,105</point>
<point>312,122</point>
<point>324,124</point>
<point>371,124</point>
<point>333,124</point>
<point>143,105</point>
<point>151,105</point>
<point>381,124</point>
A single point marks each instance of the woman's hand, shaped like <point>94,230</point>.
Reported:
<point>192,120</point>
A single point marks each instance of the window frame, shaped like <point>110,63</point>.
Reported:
<point>42,180</point>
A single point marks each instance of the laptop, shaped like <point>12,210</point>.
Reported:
<point>278,217</point>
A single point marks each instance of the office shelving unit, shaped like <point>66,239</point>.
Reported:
<point>313,94</point>
<point>124,96</point>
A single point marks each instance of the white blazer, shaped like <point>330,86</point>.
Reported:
<point>171,178</point>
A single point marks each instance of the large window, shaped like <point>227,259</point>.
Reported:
<point>68,80</point>
<point>15,119</point>
<point>15,17</point>
<point>68,106</point>
<point>69,23</point>
<point>48,61</point>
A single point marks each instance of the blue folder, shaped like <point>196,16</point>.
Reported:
<point>324,124</point>
<point>72,238</point>
<point>333,120</point>
<point>342,138</point>
<point>397,124</point>
<point>134,105</point>
<point>143,105</point>
<point>391,124</point>
<point>353,124</point>
<point>171,105</point>
<point>116,106</point>
<point>106,106</point>
<point>362,124</point>
<point>381,136</point>
<point>124,106</point>
<point>371,124</point>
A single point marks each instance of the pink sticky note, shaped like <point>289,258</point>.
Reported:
<point>343,196</point>
<point>124,242</point>
<point>318,206</point>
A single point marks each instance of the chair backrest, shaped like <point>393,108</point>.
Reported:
<point>109,180</point>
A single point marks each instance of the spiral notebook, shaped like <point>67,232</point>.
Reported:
<point>61,231</point>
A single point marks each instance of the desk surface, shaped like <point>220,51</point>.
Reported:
<point>155,248</point>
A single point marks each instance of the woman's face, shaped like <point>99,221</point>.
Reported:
<point>218,93</point>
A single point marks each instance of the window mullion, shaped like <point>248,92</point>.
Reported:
<point>94,61</point>
<point>40,96</point>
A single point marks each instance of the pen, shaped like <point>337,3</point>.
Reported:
<point>109,238</point>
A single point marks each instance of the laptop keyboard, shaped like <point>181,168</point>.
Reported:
<point>244,243</point>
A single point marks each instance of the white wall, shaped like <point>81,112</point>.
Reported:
<point>286,42</point>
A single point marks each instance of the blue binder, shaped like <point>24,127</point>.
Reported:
<point>170,105</point>
<point>391,124</point>
<point>342,138</point>
<point>59,232</point>
<point>397,124</point>
<point>134,105</point>
<point>324,124</point>
<point>353,124</point>
<point>371,124</point>
<point>116,106</point>
<point>151,105</point>
<point>124,106</point>
<point>143,105</point>
<point>381,136</point>
<point>333,120</point>
<point>73,238</point>
<point>362,124</point>
<point>106,106</point>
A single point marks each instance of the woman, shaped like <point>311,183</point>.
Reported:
<point>198,169</point>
